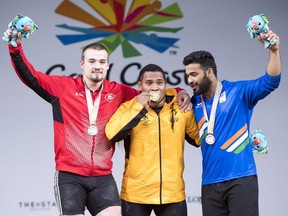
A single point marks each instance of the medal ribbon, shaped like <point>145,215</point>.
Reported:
<point>211,119</point>
<point>92,108</point>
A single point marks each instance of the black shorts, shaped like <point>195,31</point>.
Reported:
<point>237,197</point>
<point>73,192</point>
<point>171,209</point>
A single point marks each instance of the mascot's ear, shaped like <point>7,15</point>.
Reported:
<point>264,17</point>
<point>248,27</point>
<point>20,16</point>
<point>10,24</point>
<point>35,27</point>
<point>16,18</point>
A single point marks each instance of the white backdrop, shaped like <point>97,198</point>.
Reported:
<point>26,136</point>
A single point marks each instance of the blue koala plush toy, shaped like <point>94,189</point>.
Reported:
<point>258,26</point>
<point>23,24</point>
<point>259,142</point>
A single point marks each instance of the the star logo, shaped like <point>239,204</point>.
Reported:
<point>120,27</point>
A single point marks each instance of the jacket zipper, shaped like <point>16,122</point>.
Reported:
<point>160,158</point>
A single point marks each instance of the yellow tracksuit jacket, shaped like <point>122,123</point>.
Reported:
<point>154,146</point>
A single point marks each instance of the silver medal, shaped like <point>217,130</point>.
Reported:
<point>210,139</point>
<point>92,130</point>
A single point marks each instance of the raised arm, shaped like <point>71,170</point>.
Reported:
<point>274,61</point>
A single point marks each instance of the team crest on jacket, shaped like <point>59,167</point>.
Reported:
<point>145,121</point>
<point>110,97</point>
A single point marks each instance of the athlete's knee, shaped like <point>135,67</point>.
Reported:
<point>110,211</point>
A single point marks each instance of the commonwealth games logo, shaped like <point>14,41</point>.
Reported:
<point>112,25</point>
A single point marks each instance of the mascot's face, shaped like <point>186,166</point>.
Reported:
<point>259,141</point>
<point>256,24</point>
<point>24,24</point>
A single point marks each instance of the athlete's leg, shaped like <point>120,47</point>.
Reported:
<point>103,197</point>
<point>243,197</point>
<point>171,209</point>
<point>69,193</point>
<point>111,211</point>
<point>213,200</point>
<point>129,208</point>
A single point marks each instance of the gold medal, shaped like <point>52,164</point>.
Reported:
<point>154,96</point>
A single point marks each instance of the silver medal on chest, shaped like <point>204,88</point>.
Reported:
<point>92,130</point>
<point>210,138</point>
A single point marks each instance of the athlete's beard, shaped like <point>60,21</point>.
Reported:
<point>98,78</point>
<point>203,86</point>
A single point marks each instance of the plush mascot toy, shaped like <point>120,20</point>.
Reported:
<point>22,24</point>
<point>259,142</point>
<point>258,26</point>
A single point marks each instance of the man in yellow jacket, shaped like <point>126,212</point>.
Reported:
<point>154,131</point>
